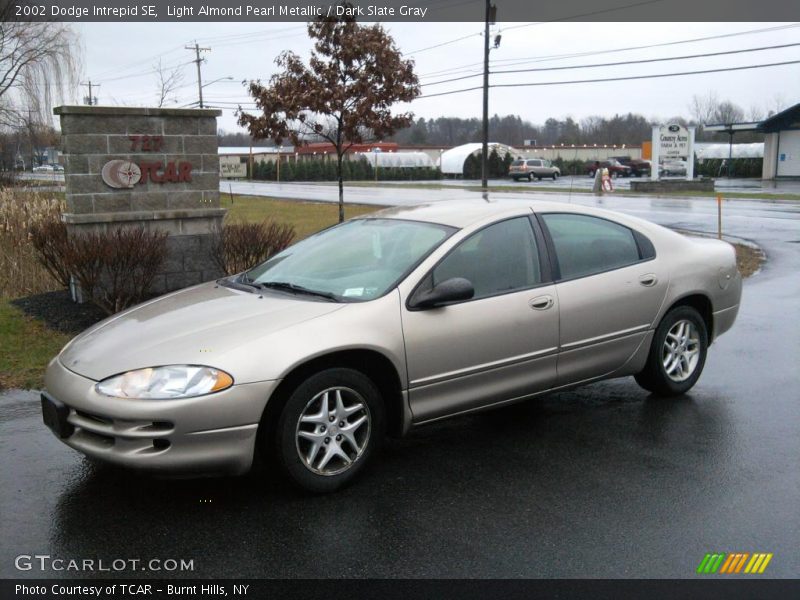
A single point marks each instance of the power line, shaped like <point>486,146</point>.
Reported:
<point>553,57</point>
<point>447,43</point>
<point>515,61</point>
<point>629,78</point>
<point>587,14</point>
<point>616,64</point>
<point>148,72</point>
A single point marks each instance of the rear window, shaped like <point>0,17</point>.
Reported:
<point>586,245</point>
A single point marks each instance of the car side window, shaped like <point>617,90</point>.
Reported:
<point>500,258</point>
<point>586,245</point>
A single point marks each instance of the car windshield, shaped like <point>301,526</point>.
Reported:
<point>354,262</point>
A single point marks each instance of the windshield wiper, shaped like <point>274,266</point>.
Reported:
<point>297,289</point>
<point>239,284</point>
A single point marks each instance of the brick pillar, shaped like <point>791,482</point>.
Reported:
<point>151,167</point>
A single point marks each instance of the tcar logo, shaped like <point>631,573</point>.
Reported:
<point>121,174</point>
<point>124,174</point>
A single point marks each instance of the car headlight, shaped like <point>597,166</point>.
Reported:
<point>162,383</point>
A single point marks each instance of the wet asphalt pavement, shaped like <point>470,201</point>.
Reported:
<point>604,481</point>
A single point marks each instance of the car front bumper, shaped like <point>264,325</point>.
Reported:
<point>208,435</point>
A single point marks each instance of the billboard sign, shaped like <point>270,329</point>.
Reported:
<point>673,141</point>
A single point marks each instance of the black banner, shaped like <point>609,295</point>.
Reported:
<point>398,10</point>
<point>439,589</point>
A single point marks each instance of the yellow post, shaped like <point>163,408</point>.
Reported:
<point>719,216</point>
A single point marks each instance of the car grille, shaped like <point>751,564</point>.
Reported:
<point>99,432</point>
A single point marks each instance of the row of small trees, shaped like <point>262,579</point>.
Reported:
<point>352,170</point>
<point>498,167</point>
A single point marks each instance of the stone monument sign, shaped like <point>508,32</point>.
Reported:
<point>156,168</point>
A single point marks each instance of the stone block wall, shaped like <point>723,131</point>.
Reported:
<point>176,188</point>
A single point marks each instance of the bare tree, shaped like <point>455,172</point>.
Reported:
<point>344,95</point>
<point>39,63</point>
<point>755,113</point>
<point>169,80</point>
<point>702,108</point>
<point>728,112</point>
<point>778,104</point>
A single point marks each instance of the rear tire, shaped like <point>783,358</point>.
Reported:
<point>677,355</point>
<point>329,428</point>
<point>555,176</point>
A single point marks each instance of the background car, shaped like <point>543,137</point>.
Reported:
<point>533,167</point>
<point>388,322</point>
<point>615,168</point>
<point>672,168</point>
<point>44,169</point>
<point>639,167</point>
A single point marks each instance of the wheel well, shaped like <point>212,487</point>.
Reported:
<point>701,304</point>
<point>369,362</point>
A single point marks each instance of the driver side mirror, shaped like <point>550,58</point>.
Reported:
<point>454,289</point>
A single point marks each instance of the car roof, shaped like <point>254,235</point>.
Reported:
<point>462,213</point>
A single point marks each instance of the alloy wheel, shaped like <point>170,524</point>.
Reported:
<point>333,431</point>
<point>681,351</point>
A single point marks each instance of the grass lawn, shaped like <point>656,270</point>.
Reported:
<point>27,346</point>
<point>307,217</point>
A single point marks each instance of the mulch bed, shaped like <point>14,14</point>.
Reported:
<point>59,312</point>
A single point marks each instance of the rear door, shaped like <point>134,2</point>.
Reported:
<point>499,345</point>
<point>610,287</point>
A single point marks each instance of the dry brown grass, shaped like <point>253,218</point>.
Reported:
<point>748,259</point>
<point>21,273</point>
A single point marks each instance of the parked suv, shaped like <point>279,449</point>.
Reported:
<point>639,167</point>
<point>615,168</point>
<point>533,167</point>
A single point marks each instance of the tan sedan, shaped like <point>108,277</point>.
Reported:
<point>385,323</point>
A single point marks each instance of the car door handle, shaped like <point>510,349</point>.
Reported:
<point>541,302</point>
<point>648,280</point>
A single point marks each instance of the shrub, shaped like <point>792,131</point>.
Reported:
<point>240,246</point>
<point>116,269</point>
<point>50,240</point>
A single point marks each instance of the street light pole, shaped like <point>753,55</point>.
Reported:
<point>485,140</point>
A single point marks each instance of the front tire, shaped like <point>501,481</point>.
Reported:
<point>555,176</point>
<point>677,354</point>
<point>329,428</point>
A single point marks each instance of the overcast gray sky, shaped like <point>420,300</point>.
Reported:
<point>121,57</point>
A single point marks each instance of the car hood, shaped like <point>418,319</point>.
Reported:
<point>199,325</point>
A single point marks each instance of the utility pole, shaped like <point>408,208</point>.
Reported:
<point>90,85</point>
<point>485,140</point>
<point>197,50</point>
